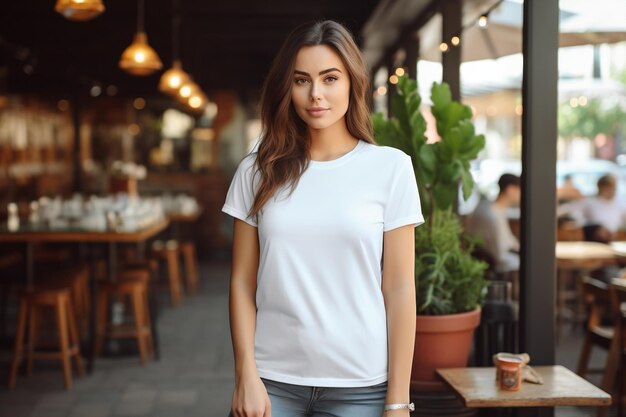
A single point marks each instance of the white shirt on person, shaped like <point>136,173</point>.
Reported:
<point>490,223</point>
<point>321,318</point>
<point>610,214</point>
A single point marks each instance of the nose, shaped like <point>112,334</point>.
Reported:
<point>316,93</point>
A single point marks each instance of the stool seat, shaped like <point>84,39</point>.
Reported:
<point>75,278</point>
<point>31,302</point>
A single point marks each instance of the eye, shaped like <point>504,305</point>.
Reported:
<point>331,79</point>
<point>300,81</point>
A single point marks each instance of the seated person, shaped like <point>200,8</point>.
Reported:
<point>567,191</point>
<point>601,216</point>
<point>490,224</point>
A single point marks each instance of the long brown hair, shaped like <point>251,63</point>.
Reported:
<point>283,152</point>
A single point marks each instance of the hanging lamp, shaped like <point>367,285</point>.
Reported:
<point>79,10</point>
<point>175,77</point>
<point>187,89</point>
<point>197,101</point>
<point>139,58</point>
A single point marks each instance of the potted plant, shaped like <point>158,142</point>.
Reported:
<point>449,281</point>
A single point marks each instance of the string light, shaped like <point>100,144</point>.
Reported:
<point>400,71</point>
<point>382,90</point>
<point>393,79</point>
<point>483,21</point>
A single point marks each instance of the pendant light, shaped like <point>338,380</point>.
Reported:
<point>139,58</point>
<point>187,89</point>
<point>175,77</point>
<point>79,10</point>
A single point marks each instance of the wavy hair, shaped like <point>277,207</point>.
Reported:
<point>283,152</point>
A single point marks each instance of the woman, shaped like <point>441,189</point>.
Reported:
<point>318,325</point>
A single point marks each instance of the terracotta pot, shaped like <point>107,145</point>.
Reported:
<point>442,342</point>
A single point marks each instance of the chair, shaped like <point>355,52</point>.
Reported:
<point>132,285</point>
<point>597,300</point>
<point>616,362</point>
<point>569,233</point>
<point>169,252</point>
<point>76,278</point>
<point>498,324</point>
<point>31,304</point>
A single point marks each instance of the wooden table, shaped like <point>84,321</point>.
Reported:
<point>575,259</point>
<point>584,255</point>
<point>31,236</point>
<point>477,388</point>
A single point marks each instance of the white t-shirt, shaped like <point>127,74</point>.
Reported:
<point>610,214</point>
<point>321,317</point>
<point>491,224</point>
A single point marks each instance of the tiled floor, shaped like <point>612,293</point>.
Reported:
<point>194,377</point>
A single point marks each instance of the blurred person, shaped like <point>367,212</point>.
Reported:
<point>490,224</point>
<point>601,216</point>
<point>322,293</point>
<point>568,191</point>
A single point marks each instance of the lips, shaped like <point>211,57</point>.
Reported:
<point>317,111</point>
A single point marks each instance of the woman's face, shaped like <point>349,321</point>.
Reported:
<point>321,87</point>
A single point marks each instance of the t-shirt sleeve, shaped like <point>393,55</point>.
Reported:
<point>403,206</point>
<point>240,196</point>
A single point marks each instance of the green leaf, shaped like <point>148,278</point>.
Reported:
<point>418,127</point>
<point>444,196</point>
<point>399,111</point>
<point>467,182</point>
<point>427,158</point>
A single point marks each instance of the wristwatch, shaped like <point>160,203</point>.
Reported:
<point>409,406</point>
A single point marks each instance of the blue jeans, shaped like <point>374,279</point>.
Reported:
<point>289,400</point>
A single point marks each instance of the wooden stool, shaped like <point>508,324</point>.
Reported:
<point>133,286</point>
<point>188,251</point>
<point>75,278</point>
<point>169,252</point>
<point>30,304</point>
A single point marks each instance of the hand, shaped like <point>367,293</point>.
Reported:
<point>250,399</point>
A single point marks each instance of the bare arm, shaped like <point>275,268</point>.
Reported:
<point>399,293</point>
<point>250,397</point>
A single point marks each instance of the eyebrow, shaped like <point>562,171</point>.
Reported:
<point>320,73</point>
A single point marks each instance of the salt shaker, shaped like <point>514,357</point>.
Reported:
<point>13,219</point>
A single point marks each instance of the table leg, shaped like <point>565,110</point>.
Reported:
<point>93,317</point>
<point>112,261</point>
<point>30,266</point>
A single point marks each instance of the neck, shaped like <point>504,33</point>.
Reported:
<point>502,202</point>
<point>331,142</point>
